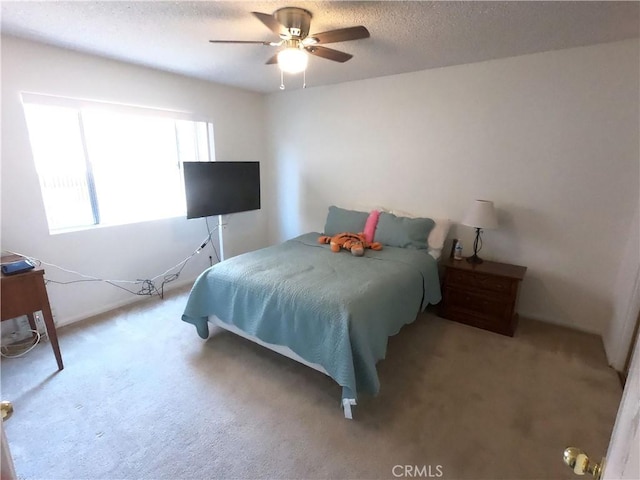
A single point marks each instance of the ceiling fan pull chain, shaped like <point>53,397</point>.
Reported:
<point>304,79</point>
<point>281,80</point>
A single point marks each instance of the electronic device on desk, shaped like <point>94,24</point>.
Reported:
<point>19,266</point>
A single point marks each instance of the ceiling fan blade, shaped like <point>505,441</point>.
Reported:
<point>328,53</point>
<point>273,60</point>
<point>271,23</point>
<point>341,35</point>
<point>245,41</point>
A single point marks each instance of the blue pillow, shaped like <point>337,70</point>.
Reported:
<point>403,232</point>
<point>340,220</point>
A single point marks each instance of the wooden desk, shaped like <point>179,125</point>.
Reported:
<point>24,294</point>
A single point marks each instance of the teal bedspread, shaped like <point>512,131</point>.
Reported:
<point>333,309</point>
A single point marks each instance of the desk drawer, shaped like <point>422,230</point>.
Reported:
<point>21,295</point>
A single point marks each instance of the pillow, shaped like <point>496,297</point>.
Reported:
<point>370,226</point>
<point>403,231</point>
<point>365,207</point>
<point>340,220</point>
<point>437,236</point>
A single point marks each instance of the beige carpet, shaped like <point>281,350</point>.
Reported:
<point>142,396</point>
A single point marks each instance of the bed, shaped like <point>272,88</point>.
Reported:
<point>331,311</point>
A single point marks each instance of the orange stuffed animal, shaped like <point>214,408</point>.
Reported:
<point>354,242</point>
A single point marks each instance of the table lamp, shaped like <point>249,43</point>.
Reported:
<point>481,215</point>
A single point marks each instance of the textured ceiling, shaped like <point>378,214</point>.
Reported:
<point>405,36</point>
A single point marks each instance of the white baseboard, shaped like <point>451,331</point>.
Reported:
<point>113,306</point>
<point>554,321</point>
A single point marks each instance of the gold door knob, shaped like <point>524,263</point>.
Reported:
<point>579,462</point>
<point>7,410</point>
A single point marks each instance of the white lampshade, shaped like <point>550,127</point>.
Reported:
<point>292,60</point>
<point>482,214</point>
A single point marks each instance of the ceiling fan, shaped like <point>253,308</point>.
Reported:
<point>292,25</point>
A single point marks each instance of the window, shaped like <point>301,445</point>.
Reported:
<point>102,164</point>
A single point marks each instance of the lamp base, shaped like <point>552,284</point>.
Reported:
<point>474,259</point>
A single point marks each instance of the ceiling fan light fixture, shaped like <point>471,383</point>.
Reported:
<point>293,60</point>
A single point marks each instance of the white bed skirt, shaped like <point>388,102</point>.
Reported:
<point>347,403</point>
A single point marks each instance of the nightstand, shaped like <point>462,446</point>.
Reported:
<point>483,295</point>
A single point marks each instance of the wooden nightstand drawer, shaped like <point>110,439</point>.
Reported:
<point>480,280</point>
<point>467,300</point>
<point>483,295</point>
<point>498,325</point>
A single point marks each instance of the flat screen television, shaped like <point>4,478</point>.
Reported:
<point>219,188</point>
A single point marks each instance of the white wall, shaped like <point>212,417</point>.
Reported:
<point>128,251</point>
<point>618,334</point>
<point>551,138</point>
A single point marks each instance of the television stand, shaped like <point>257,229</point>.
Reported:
<point>221,237</point>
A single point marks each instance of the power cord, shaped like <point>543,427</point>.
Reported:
<point>147,286</point>
<point>5,350</point>
<point>206,219</point>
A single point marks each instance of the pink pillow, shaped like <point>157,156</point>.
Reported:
<point>370,226</point>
